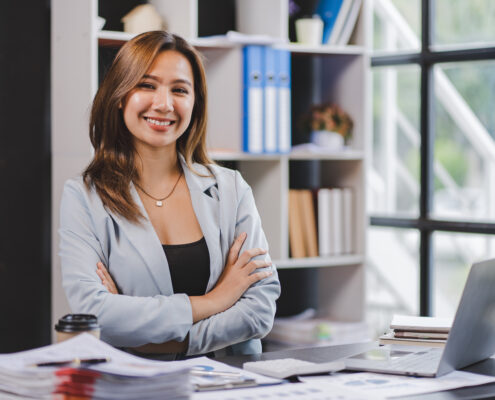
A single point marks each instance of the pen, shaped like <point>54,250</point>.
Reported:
<point>202,372</point>
<point>75,361</point>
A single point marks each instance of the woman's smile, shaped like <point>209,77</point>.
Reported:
<point>159,124</point>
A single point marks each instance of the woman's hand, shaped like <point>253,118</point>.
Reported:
<point>237,276</point>
<point>171,346</point>
<point>106,279</point>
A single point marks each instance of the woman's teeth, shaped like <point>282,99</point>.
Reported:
<point>159,123</point>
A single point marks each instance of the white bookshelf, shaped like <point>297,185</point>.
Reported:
<point>343,79</point>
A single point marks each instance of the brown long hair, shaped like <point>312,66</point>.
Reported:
<point>113,166</point>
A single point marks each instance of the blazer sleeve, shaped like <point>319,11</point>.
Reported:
<point>125,320</point>
<point>252,316</point>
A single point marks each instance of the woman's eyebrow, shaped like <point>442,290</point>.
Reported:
<point>155,78</point>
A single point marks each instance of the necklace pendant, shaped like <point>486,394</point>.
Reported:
<point>159,203</point>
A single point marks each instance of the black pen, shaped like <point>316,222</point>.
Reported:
<point>75,362</point>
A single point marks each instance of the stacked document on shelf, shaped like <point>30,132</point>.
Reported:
<point>306,329</point>
<point>411,330</point>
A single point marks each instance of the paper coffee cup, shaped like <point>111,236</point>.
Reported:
<point>309,31</point>
<point>71,325</point>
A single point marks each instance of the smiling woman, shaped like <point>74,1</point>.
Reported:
<point>158,111</point>
<point>165,247</point>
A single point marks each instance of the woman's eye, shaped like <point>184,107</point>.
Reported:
<point>181,90</point>
<point>146,85</point>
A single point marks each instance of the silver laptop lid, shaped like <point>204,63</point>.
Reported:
<point>472,336</point>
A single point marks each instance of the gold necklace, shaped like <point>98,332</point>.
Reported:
<point>159,202</point>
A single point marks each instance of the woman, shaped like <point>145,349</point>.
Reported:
<point>163,246</point>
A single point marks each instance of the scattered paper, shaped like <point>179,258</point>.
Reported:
<point>390,386</point>
<point>205,364</point>
<point>288,391</point>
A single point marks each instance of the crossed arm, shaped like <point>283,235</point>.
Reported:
<point>238,275</point>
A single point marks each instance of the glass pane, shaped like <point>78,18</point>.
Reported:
<point>453,255</point>
<point>464,162</point>
<point>392,281</point>
<point>396,25</point>
<point>393,181</point>
<point>464,23</point>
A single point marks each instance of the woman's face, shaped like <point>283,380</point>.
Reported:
<point>158,110</point>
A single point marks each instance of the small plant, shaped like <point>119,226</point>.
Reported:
<point>328,117</point>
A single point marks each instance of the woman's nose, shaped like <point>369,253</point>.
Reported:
<point>163,101</point>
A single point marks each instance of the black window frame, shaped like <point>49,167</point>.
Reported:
<point>426,59</point>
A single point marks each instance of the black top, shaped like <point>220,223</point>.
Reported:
<point>189,265</point>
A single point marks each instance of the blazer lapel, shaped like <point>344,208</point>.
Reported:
<point>207,210</point>
<point>146,242</point>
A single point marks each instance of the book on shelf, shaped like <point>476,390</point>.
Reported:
<point>309,223</point>
<point>303,237</point>
<point>335,221</point>
<point>296,238</point>
<point>350,23</point>
<point>266,100</point>
<point>339,19</point>
<point>339,22</point>
<point>321,224</point>
<point>328,10</point>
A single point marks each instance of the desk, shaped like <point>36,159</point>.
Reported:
<point>330,353</point>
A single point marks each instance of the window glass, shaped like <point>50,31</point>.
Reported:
<point>453,255</point>
<point>392,281</point>
<point>464,153</point>
<point>396,25</point>
<point>464,23</point>
<point>393,180</point>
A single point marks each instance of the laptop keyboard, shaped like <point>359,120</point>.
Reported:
<point>426,361</point>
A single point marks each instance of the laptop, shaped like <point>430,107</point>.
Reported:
<point>471,338</point>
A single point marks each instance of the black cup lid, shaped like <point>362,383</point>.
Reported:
<point>77,323</point>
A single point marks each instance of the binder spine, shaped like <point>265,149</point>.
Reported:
<point>270,101</point>
<point>284,100</point>
<point>253,99</point>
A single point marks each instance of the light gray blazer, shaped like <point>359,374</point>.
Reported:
<point>148,311</point>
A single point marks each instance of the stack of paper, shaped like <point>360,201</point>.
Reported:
<point>123,376</point>
<point>423,331</point>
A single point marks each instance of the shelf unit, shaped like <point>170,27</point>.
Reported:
<point>320,73</point>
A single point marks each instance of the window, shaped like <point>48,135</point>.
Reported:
<point>431,187</point>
